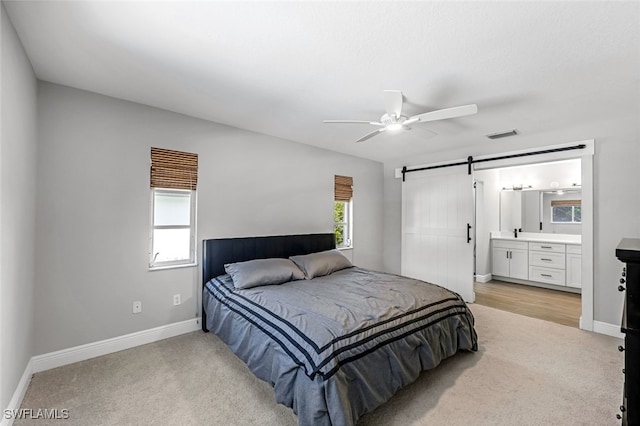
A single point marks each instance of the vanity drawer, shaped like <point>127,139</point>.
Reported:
<point>549,260</point>
<point>510,244</point>
<point>547,275</point>
<point>554,247</point>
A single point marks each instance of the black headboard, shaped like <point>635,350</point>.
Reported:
<point>216,253</point>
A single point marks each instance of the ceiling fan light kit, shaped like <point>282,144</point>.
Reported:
<point>393,120</point>
<point>394,127</point>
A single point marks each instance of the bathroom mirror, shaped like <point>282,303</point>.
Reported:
<point>556,210</point>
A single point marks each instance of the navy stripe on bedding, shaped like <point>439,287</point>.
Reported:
<point>354,333</point>
<point>281,331</point>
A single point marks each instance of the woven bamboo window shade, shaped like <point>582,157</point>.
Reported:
<point>343,188</point>
<point>173,169</point>
<point>555,203</point>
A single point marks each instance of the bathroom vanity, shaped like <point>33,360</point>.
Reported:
<point>540,238</point>
<point>544,260</point>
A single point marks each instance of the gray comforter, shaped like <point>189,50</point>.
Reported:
<point>337,346</point>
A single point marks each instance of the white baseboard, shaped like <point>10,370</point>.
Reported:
<point>612,330</point>
<point>18,395</point>
<point>104,347</point>
<point>91,350</point>
<point>483,278</point>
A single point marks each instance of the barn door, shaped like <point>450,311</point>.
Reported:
<point>437,217</point>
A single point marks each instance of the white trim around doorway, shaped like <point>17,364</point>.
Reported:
<point>586,155</point>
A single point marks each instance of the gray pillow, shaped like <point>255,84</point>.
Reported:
<point>254,273</point>
<point>321,263</point>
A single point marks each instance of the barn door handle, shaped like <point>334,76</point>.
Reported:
<point>468,233</point>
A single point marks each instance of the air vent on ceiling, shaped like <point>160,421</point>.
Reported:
<point>502,134</point>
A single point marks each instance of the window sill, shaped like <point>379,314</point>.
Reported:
<point>345,248</point>
<point>164,268</point>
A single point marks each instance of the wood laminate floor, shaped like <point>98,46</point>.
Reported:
<point>551,305</point>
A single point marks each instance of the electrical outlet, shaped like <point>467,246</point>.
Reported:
<point>137,307</point>
<point>176,300</point>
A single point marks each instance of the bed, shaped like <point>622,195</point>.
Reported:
<point>338,345</point>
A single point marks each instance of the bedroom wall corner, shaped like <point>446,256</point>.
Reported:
<point>368,223</point>
<point>18,141</point>
<point>392,220</point>
<point>93,184</point>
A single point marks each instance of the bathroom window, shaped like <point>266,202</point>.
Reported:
<point>566,211</point>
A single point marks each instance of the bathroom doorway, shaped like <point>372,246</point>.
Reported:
<point>529,240</point>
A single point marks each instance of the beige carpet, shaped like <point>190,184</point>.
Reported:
<point>526,372</point>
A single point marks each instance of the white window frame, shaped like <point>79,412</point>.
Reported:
<point>573,216</point>
<point>153,265</point>
<point>348,224</point>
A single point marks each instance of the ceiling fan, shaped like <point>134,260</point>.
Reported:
<point>393,120</point>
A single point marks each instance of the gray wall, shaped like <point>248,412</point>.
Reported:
<point>616,213</point>
<point>17,212</point>
<point>93,208</point>
<point>616,175</point>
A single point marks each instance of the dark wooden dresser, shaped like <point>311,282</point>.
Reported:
<point>628,251</point>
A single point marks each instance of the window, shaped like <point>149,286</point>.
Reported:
<point>342,226</point>
<point>343,211</point>
<point>174,177</point>
<point>173,234</point>
<point>566,211</point>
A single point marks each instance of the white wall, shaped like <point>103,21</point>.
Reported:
<point>17,210</point>
<point>616,175</point>
<point>490,219</point>
<point>93,208</point>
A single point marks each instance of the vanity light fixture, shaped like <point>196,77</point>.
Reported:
<point>518,187</point>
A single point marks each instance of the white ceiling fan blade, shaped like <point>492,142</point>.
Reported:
<point>442,114</point>
<point>375,123</point>
<point>393,102</point>
<point>370,135</point>
<point>426,133</point>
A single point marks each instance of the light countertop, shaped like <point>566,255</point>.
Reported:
<point>535,237</point>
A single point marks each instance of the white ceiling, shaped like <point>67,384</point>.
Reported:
<point>280,68</point>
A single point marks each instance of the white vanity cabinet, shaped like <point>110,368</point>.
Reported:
<point>574,265</point>
<point>549,264</point>
<point>509,259</point>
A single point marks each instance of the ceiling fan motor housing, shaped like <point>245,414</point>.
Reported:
<point>387,119</point>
